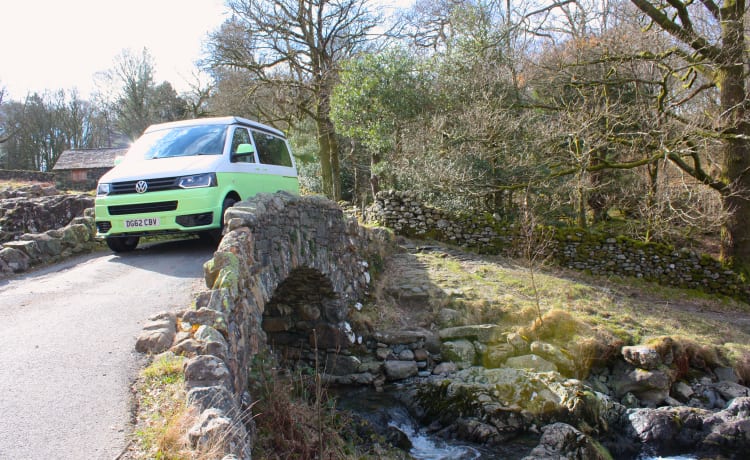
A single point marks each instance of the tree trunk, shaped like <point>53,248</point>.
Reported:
<point>328,147</point>
<point>736,159</point>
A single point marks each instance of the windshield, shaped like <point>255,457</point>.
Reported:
<point>180,142</point>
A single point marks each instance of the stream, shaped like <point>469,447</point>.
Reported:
<point>385,410</point>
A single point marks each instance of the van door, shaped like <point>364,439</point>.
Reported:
<point>275,159</point>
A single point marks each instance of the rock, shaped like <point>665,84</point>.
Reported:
<point>188,347</point>
<point>420,354</point>
<point>399,370</point>
<point>729,390</point>
<point>50,247</point>
<point>206,316</point>
<point>729,429</point>
<point>496,355</point>
<point>213,340</point>
<point>726,374</point>
<point>16,260</point>
<point>519,344</point>
<point>650,387</point>
<point>401,337</point>
<point>445,368</point>
<point>28,247</point>
<point>485,333</point>
<point>448,316</point>
<point>406,355</point>
<point>562,441</point>
<point>682,391</point>
<point>158,333</point>
<point>337,364</point>
<point>553,354</point>
<point>206,371</point>
<point>460,350</point>
<point>494,405</point>
<point>398,438</point>
<point>210,431</point>
<point>667,430</point>
<point>642,356</point>
<point>533,362</point>
<point>218,397</point>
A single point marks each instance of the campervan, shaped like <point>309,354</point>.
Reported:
<point>180,177</point>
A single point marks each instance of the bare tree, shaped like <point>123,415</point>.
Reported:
<point>296,46</point>
<point>710,43</point>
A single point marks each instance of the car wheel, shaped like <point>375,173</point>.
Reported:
<point>122,243</point>
<point>215,235</point>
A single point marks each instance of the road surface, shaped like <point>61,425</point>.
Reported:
<point>67,337</point>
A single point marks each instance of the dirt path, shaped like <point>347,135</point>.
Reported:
<point>68,334</point>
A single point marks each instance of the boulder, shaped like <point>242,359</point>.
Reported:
<point>519,344</point>
<point>158,333</point>
<point>402,337</point>
<point>730,390</point>
<point>495,405</point>
<point>206,371</point>
<point>531,362</point>
<point>554,355</point>
<point>485,333</point>
<point>461,351</point>
<point>562,441</point>
<point>642,356</point>
<point>650,387</point>
<point>495,355</point>
<point>16,260</point>
<point>399,370</point>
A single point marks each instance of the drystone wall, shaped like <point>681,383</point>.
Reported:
<point>577,249</point>
<point>287,272</point>
<point>24,176</point>
<point>38,225</point>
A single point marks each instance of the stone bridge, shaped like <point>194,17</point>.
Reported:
<point>286,274</point>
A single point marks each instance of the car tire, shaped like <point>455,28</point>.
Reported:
<point>215,236</point>
<point>122,243</point>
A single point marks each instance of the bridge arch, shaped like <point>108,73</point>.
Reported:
<point>287,273</point>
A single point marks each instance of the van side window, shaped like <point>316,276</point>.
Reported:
<point>272,150</point>
<point>241,136</point>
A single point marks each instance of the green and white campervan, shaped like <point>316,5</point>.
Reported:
<point>180,177</point>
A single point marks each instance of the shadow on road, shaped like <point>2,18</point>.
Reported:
<point>175,257</point>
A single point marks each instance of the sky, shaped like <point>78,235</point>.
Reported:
<point>62,44</point>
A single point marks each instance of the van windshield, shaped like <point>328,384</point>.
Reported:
<point>180,142</point>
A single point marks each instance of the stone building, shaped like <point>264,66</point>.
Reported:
<point>80,169</point>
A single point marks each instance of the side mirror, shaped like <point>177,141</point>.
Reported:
<point>243,150</point>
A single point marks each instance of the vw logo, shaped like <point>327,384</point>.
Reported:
<point>141,186</point>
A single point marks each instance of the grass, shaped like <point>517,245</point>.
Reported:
<point>608,313</point>
<point>296,418</point>
<point>162,418</point>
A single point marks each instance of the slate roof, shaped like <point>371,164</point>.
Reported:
<point>87,158</point>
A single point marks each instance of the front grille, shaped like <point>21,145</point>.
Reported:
<point>154,185</point>
<point>103,226</point>
<point>142,208</point>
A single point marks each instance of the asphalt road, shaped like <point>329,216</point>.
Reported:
<point>67,337</point>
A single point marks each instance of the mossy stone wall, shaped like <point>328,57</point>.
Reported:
<point>579,249</point>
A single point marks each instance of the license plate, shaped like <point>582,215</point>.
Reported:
<point>142,222</point>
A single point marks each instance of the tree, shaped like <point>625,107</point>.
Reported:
<point>138,101</point>
<point>377,96</point>
<point>44,125</point>
<point>292,48</point>
<point>710,41</point>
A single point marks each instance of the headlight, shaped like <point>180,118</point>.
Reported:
<point>198,180</point>
<point>103,189</point>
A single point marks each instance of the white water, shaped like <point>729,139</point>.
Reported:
<point>430,448</point>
